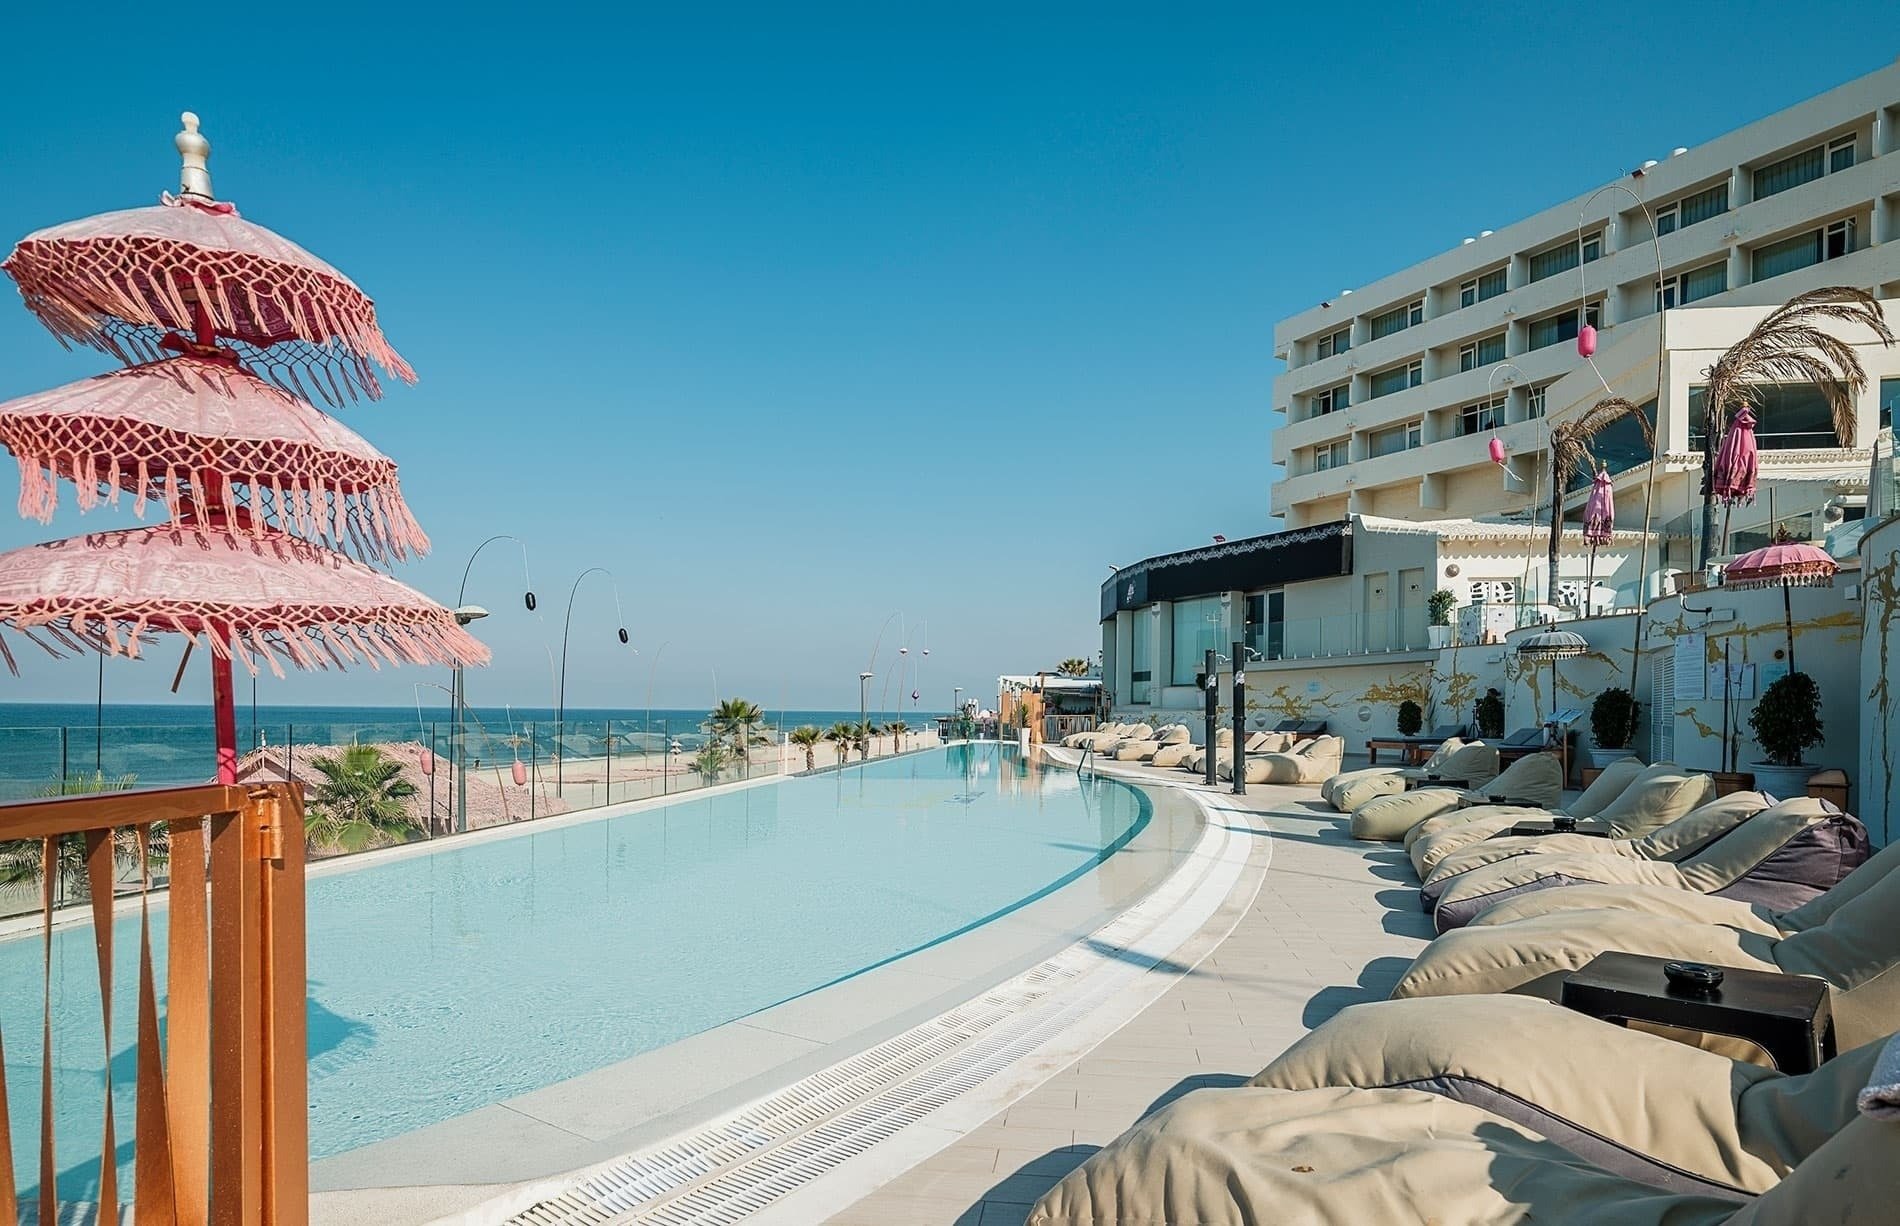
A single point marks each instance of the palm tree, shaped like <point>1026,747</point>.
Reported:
<point>843,735</point>
<point>806,737</point>
<point>359,802</point>
<point>897,728</point>
<point>1789,344</point>
<point>738,723</point>
<point>867,732</point>
<point>1074,666</point>
<point>711,760</point>
<point>1570,454</point>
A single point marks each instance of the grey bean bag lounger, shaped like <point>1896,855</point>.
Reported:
<point>1781,856</point>
<point>1855,947</point>
<point>1672,844</point>
<point>1682,1119</point>
<point>1343,1156</point>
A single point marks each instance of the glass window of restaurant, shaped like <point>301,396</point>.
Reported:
<point>1198,625</point>
<point>1141,657</point>
<point>1788,417</point>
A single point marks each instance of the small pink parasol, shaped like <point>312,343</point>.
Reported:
<point>155,430</point>
<point>1599,513</point>
<point>1733,479</point>
<point>1786,563</point>
<point>122,281</point>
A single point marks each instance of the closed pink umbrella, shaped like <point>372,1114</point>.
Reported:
<point>1736,465</point>
<point>1599,521</point>
<point>1786,563</point>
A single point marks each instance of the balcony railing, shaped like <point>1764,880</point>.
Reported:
<point>219,1102</point>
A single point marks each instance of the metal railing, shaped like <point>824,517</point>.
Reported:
<point>220,1129</point>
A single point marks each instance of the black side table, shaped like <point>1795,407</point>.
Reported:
<point>1536,826</point>
<point>1789,1015</point>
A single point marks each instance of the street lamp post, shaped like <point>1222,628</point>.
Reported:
<point>560,694</point>
<point>458,732</point>
<point>864,680</point>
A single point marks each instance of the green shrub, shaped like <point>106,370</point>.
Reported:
<point>1489,715</point>
<point>1613,718</point>
<point>1411,718</point>
<point>1787,720</point>
<point>1439,606</point>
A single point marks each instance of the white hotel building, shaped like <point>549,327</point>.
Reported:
<point>1393,393</point>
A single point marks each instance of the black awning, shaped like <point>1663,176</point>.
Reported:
<point>1320,551</point>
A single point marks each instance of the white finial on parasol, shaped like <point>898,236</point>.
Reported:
<point>194,180</point>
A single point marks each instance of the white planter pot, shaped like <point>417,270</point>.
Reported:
<point>1438,636</point>
<point>1022,740</point>
<point>1600,758</point>
<point>1782,782</point>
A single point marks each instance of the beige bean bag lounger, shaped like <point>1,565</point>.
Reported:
<point>1628,806</point>
<point>1313,760</point>
<point>1176,753</point>
<point>1144,750</point>
<point>1855,948</point>
<point>1678,1117</point>
<point>1673,843</point>
<point>1107,732</point>
<point>1348,790</point>
<point>1256,743</point>
<point>1106,744</point>
<point>1254,1156</point>
<point>1390,818</point>
<point>1196,758</point>
<point>1699,908</point>
<point>1074,739</point>
<point>1781,856</point>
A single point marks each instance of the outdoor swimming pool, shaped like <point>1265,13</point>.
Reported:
<point>483,969</point>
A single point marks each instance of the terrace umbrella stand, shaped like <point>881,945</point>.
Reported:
<point>1785,564</point>
<point>1551,645</point>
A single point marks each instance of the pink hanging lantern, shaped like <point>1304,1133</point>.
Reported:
<point>1736,463</point>
<point>1497,450</point>
<point>1586,340</point>
<point>520,773</point>
<point>427,759</point>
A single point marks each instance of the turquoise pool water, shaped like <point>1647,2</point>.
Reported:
<point>443,982</point>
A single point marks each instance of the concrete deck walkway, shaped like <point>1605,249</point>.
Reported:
<point>1333,923</point>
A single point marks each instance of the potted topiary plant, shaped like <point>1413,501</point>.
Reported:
<point>1613,719</point>
<point>1489,715</point>
<point>1438,607</point>
<point>1411,718</point>
<point>1785,722</point>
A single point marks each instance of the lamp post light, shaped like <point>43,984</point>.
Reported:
<point>560,694</point>
<point>458,694</point>
<point>864,681</point>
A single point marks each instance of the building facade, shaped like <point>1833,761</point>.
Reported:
<point>1392,393</point>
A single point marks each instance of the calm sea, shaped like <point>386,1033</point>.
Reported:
<point>172,742</point>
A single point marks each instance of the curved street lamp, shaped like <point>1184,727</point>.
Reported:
<point>567,624</point>
<point>458,693</point>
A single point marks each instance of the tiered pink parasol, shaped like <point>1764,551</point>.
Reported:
<point>154,431</point>
<point>240,464</point>
<point>1785,564</point>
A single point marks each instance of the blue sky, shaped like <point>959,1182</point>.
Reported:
<point>798,318</point>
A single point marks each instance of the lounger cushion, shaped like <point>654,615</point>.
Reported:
<point>1311,761</point>
<point>1248,1156</point>
<point>1536,780</point>
<point>1173,755</point>
<point>1389,817</point>
<point>1780,856</point>
<point>1611,782</point>
<point>1656,797</point>
<point>1436,763</point>
<point>1473,764</point>
<point>1329,790</point>
<point>1477,823</point>
<point>1674,1116</point>
<point>1370,787</point>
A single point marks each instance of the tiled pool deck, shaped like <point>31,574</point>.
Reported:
<point>1332,923</point>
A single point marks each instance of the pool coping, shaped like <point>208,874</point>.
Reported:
<point>461,1163</point>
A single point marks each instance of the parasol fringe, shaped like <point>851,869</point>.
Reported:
<point>6,653</point>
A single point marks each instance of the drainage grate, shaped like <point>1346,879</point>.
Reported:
<point>740,1164</point>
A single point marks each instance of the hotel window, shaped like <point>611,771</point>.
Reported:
<point>1398,378</point>
<point>1394,439</point>
<point>1789,417</point>
<point>1829,243</point>
<point>1198,625</point>
<point>1534,400</point>
<point>1840,154</point>
<point>1687,287</point>
<point>1691,209</point>
<point>1398,319</point>
<point>1330,455</point>
<point>1490,285</point>
<point>1141,658</point>
<point>1565,256</point>
<point>1336,342</point>
<point>1481,353</point>
<point>1563,326</point>
<point>1332,400</point>
<point>1889,403</point>
<point>1482,416</point>
<point>1804,167</point>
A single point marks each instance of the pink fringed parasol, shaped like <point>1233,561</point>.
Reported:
<point>1733,479</point>
<point>1599,514</point>
<point>154,430</point>
<point>1784,564</point>
<point>120,281</point>
<point>269,596</point>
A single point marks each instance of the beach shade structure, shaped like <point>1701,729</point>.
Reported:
<point>1599,521</point>
<point>138,282</point>
<point>198,428</point>
<point>1786,563</point>
<point>1551,644</point>
<point>257,597</point>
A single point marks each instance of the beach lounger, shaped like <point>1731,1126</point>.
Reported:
<point>1256,743</point>
<point>1391,818</point>
<point>1174,754</point>
<point>1346,1156</point>
<point>1671,843</point>
<point>1348,790</point>
<point>1196,758</point>
<point>1075,740</point>
<point>1144,750</point>
<point>1309,761</point>
<point>1781,856</point>
<point>1639,800</point>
